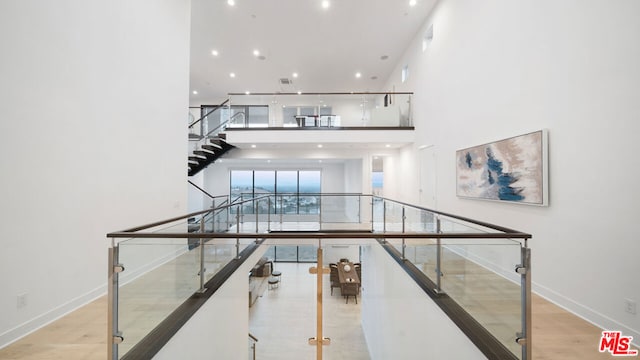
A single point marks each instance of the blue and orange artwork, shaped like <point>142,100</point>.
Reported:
<point>505,170</point>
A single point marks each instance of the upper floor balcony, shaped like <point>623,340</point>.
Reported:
<point>336,118</point>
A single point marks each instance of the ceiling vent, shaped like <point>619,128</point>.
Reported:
<point>285,81</point>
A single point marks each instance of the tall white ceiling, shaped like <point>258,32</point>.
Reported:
<point>326,47</point>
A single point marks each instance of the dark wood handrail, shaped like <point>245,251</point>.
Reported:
<point>204,191</point>
<point>505,232</point>
<point>132,231</point>
<point>324,93</point>
<point>322,235</point>
<point>465,219</point>
<point>207,114</point>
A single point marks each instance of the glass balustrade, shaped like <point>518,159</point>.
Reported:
<point>478,274</point>
<point>318,110</point>
<point>161,273</point>
<point>468,261</point>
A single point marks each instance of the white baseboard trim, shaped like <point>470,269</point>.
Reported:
<point>585,313</point>
<point>12,335</point>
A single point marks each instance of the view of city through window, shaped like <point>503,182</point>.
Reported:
<point>289,188</point>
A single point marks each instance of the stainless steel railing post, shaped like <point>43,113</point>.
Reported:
<point>524,269</point>
<point>255,209</point>
<point>373,224</point>
<point>202,269</point>
<point>384,218</point>
<point>403,230</point>
<point>269,214</point>
<point>320,212</point>
<point>281,209</point>
<point>238,232</point>
<point>114,336</point>
<point>438,257</point>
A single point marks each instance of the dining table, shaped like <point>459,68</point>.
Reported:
<point>350,276</point>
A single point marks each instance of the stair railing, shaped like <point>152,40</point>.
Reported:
<point>205,115</point>
<point>252,345</point>
<point>214,199</point>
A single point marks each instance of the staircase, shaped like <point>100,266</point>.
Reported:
<point>210,145</point>
<point>208,151</point>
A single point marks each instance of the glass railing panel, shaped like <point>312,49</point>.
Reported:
<point>221,220</point>
<point>320,110</point>
<point>423,254</point>
<point>218,253</point>
<point>338,209</point>
<point>377,213</point>
<point>393,216</point>
<point>452,226</point>
<point>418,220</point>
<point>479,275</point>
<point>160,274</point>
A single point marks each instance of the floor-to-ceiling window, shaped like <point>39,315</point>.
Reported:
<point>296,192</point>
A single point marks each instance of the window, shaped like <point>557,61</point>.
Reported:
<point>246,115</point>
<point>405,73</point>
<point>309,182</point>
<point>287,183</point>
<point>428,37</point>
<point>289,186</point>
<point>292,253</point>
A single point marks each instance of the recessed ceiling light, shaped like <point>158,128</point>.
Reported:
<point>253,146</point>
<point>319,161</point>
<point>256,52</point>
<point>231,2</point>
<point>214,52</point>
<point>325,4</point>
<point>247,92</point>
<point>299,92</point>
<point>295,75</point>
<point>413,2</point>
<point>319,145</point>
<point>195,92</point>
<point>232,75</point>
<point>388,145</point>
<point>358,75</point>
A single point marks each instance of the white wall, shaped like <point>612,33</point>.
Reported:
<point>503,68</point>
<point>93,129</point>
<point>196,199</point>
<point>400,321</point>
<point>221,325</point>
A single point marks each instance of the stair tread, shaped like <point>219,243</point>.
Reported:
<point>207,154</point>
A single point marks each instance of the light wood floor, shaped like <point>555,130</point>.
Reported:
<point>557,334</point>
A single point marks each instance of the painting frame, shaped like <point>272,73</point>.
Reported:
<point>512,170</point>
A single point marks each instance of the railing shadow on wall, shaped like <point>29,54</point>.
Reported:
<point>444,253</point>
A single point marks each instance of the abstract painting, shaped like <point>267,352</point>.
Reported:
<point>513,170</point>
